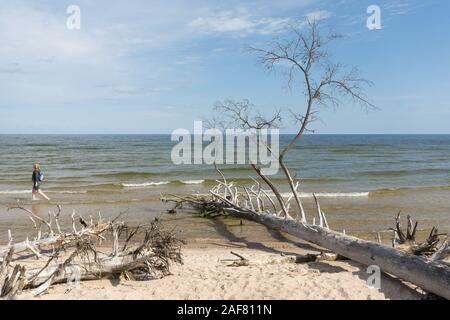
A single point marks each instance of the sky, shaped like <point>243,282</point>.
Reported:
<point>156,66</point>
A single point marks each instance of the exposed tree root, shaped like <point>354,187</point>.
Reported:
<point>406,241</point>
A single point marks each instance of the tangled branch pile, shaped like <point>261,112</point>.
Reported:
<point>141,252</point>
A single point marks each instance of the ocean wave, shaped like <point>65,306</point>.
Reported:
<point>320,180</point>
<point>192,181</point>
<point>160,183</point>
<point>402,190</point>
<point>401,173</point>
<point>69,192</point>
<point>345,151</point>
<point>145,184</point>
<point>342,194</point>
<point>237,169</point>
<point>124,174</point>
<point>329,194</point>
<point>15,191</point>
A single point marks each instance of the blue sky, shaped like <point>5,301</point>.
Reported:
<point>154,66</point>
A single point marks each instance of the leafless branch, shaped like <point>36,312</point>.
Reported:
<point>241,114</point>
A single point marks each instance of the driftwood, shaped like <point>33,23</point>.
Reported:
<point>432,275</point>
<point>318,257</point>
<point>137,253</point>
<point>443,253</point>
<point>11,283</point>
<point>47,237</point>
<point>406,241</point>
<point>240,262</point>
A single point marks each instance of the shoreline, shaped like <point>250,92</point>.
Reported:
<point>357,217</point>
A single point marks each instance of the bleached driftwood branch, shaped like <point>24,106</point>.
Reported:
<point>50,237</point>
<point>138,253</point>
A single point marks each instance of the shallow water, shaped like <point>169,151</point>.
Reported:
<point>361,180</point>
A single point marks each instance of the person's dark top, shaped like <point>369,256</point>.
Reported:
<point>36,177</point>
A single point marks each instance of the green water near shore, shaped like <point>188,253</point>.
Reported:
<point>362,181</point>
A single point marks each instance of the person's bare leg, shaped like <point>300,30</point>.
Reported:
<point>44,195</point>
<point>33,195</point>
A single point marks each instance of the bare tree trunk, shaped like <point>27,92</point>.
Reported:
<point>286,171</point>
<point>108,267</point>
<point>274,190</point>
<point>431,276</point>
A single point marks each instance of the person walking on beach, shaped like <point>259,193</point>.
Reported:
<point>37,178</point>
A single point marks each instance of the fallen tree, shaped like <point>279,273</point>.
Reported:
<point>141,252</point>
<point>302,56</point>
<point>429,273</point>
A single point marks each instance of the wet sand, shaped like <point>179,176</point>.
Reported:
<point>359,217</point>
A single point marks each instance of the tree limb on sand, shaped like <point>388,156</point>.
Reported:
<point>142,252</point>
<point>432,275</point>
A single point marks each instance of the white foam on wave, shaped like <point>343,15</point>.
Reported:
<point>15,191</point>
<point>69,192</point>
<point>192,181</point>
<point>330,194</point>
<point>29,191</point>
<point>145,184</point>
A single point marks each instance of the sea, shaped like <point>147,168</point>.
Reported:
<point>362,181</point>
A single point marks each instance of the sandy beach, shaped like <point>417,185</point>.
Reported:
<point>272,273</point>
<point>204,150</point>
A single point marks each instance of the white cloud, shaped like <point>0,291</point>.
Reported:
<point>186,60</point>
<point>398,7</point>
<point>227,22</point>
<point>126,54</point>
<point>133,91</point>
<point>25,32</point>
<point>318,15</point>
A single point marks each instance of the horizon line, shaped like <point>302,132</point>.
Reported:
<point>155,134</point>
